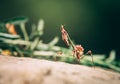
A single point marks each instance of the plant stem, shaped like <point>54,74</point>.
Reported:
<point>19,51</point>
<point>24,32</point>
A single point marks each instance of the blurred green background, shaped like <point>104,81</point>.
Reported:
<point>92,23</point>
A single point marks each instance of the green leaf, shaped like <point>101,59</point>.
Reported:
<point>2,27</point>
<point>54,41</point>
<point>111,57</point>
<point>9,36</point>
<point>34,43</point>
<point>40,27</point>
<point>17,20</point>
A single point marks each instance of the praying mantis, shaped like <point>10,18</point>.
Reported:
<point>78,50</point>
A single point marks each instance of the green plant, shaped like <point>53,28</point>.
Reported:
<point>31,45</point>
<point>28,45</point>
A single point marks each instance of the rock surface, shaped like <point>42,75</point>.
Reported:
<point>20,70</point>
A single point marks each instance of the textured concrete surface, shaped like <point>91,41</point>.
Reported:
<point>17,70</point>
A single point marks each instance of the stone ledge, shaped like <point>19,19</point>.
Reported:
<point>22,70</point>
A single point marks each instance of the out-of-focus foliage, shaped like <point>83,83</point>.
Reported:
<point>93,23</point>
<point>31,45</point>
